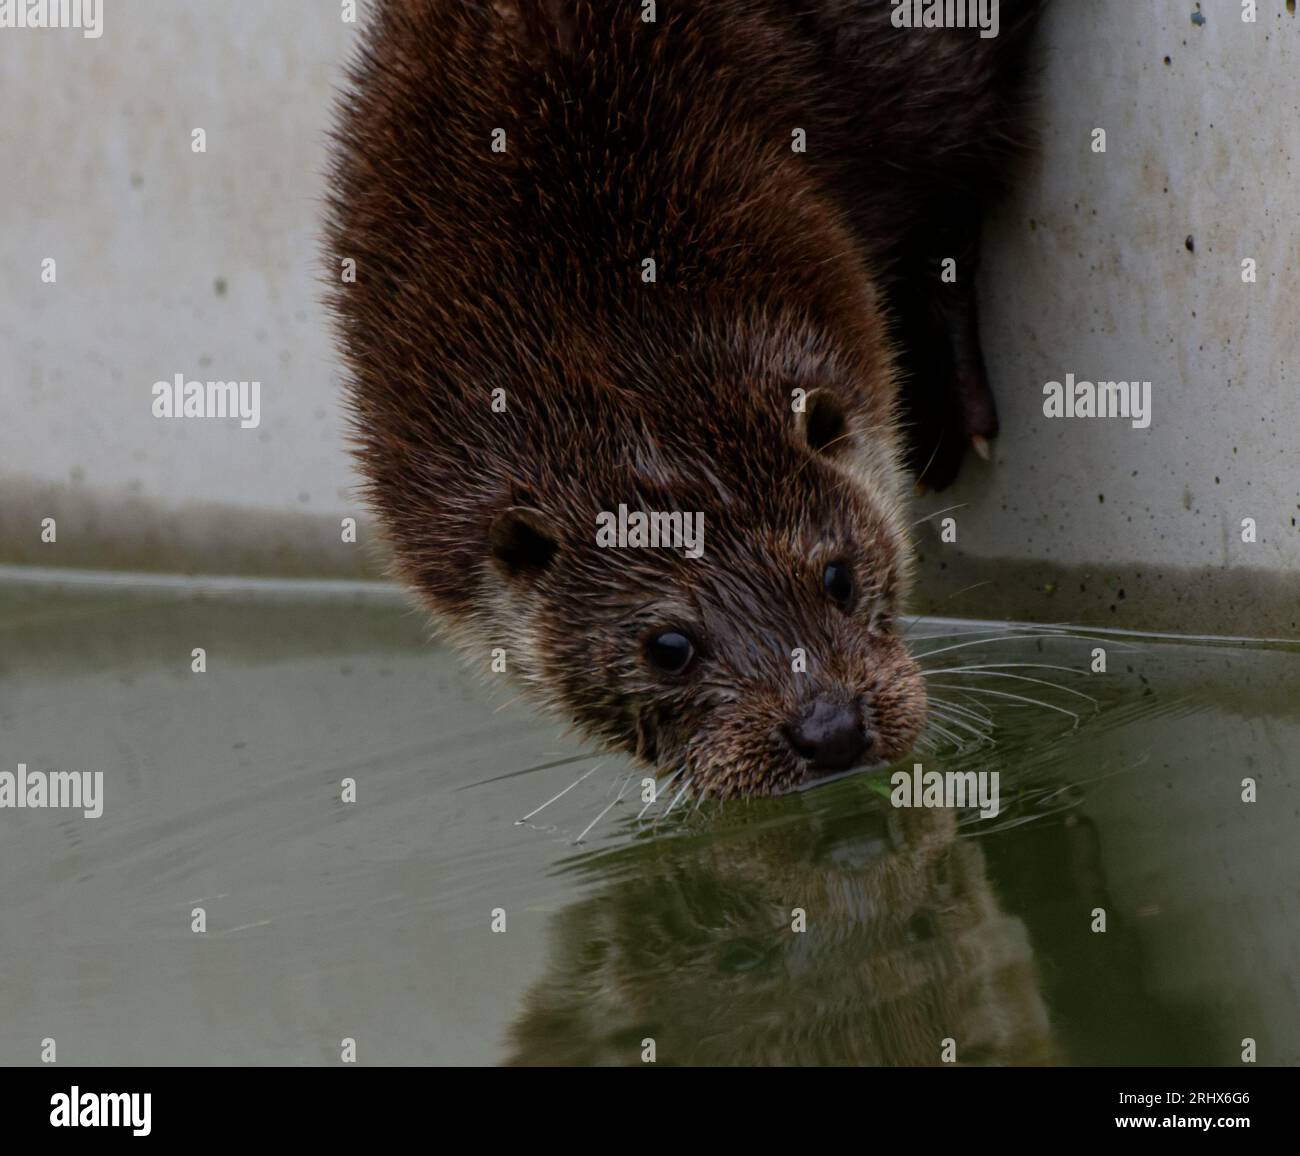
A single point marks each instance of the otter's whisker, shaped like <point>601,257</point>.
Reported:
<point>960,711</point>
<point>622,790</point>
<point>978,716</point>
<point>979,737</point>
<point>945,510</point>
<point>559,795</point>
<point>975,707</point>
<point>984,642</point>
<point>933,454</point>
<point>956,740</point>
<point>982,736</point>
<point>609,807</point>
<point>968,627</point>
<point>659,790</point>
<point>1009,666</point>
<point>1016,697</point>
<point>984,672</point>
<point>685,787</point>
<point>973,723</point>
<point>1046,634</point>
<point>968,589</point>
<point>932,723</point>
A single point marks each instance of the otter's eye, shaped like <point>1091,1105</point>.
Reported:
<point>669,651</point>
<point>837,580</point>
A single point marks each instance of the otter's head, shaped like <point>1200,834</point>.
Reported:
<point>759,654</point>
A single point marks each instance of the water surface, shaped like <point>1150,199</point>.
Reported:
<point>373,919</point>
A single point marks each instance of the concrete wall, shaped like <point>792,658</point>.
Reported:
<point>1128,265</point>
<point>171,262</point>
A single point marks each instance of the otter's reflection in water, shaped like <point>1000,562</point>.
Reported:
<point>869,938</point>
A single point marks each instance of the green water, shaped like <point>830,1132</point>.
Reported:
<point>373,919</point>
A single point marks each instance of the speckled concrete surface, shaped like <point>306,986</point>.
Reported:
<point>1123,265</point>
<point>171,262</point>
<point>1127,266</point>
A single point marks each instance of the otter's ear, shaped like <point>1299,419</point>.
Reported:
<point>523,542</point>
<point>824,423</point>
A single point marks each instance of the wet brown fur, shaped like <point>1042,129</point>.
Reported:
<point>522,272</point>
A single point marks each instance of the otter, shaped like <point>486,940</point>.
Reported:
<point>673,258</point>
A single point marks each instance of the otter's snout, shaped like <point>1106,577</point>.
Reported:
<point>830,735</point>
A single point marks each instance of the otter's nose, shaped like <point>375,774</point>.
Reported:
<point>830,735</point>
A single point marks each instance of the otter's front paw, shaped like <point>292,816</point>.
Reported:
<point>948,406</point>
